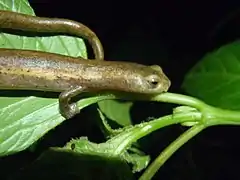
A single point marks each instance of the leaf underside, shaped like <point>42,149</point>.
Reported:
<point>216,78</point>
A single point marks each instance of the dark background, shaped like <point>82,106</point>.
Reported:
<point>175,35</point>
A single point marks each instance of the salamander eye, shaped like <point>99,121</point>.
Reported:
<point>153,81</point>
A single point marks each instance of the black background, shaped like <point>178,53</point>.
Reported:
<point>174,34</point>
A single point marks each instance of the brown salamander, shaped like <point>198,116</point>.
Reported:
<point>35,70</point>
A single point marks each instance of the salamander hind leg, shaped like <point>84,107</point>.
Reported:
<point>69,109</point>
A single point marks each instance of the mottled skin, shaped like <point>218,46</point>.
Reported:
<point>34,70</point>
<point>23,22</point>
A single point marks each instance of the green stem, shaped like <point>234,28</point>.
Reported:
<point>164,97</point>
<point>139,131</point>
<point>168,152</point>
<point>208,116</point>
<point>180,99</point>
<point>213,115</point>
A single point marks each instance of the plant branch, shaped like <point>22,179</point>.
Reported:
<point>170,150</point>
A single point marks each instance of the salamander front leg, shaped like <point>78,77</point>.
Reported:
<point>68,110</point>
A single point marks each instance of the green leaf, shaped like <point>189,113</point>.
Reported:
<point>216,78</point>
<point>25,119</point>
<point>65,45</point>
<point>109,150</point>
<point>139,161</point>
<point>117,111</point>
<point>58,163</point>
<point>137,157</point>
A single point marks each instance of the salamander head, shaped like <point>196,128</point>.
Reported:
<point>139,78</point>
<point>151,79</point>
